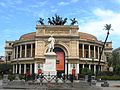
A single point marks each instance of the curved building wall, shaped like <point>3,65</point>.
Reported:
<point>81,49</point>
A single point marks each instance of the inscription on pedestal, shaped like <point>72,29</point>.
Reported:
<point>49,66</point>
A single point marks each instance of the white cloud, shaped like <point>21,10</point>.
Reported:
<point>104,14</point>
<point>54,10</point>
<point>10,3</point>
<point>74,1</point>
<point>95,26</point>
<point>67,3</point>
<point>34,6</point>
<point>18,1</point>
<point>25,9</point>
<point>63,3</point>
<point>3,4</point>
<point>118,1</point>
<point>42,3</point>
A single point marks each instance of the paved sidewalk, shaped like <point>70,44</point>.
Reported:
<point>77,85</point>
<point>112,85</point>
<point>82,86</point>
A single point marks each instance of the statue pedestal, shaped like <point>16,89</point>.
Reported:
<point>49,67</point>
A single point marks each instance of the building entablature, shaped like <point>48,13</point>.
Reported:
<point>95,43</point>
<point>58,30</point>
<point>19,42</point>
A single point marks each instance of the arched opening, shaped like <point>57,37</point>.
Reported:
<point>60,63</point>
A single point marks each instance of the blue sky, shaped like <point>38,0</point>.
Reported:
<point>18,17</point>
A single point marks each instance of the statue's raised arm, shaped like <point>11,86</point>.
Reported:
<point>51,42</point>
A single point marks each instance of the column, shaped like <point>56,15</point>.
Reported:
<point>25,50</point>
<point>66,68</point>
<point>30,68</point>
<point>94,52</point>
<point>17,52</point>
<point>24,68</point>
<point>83,66</point>
<point>19,68</point>
<point>89,67</point>
<point>98,53</point>
<point>101,68</point>
<point>35,69</point>
<point>77,69</point>
<point>31,49</point>
<point>89,51</point>
<point>13,68</point>
<point>20,51</point>
<point>16,68</point>
<point>103,56</point>
<point>94,69</point>
<point>83,49</point>
<point>69,69</point>
<point>14,53</point>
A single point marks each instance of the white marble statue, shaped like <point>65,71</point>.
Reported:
<point>51,41</point>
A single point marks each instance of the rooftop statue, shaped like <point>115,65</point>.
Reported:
<point>41,21</point>
<point>57,20</point>
<point>64,21</point>
<point>50,21</point>
<point>73,21</point>
<point>51,41</point>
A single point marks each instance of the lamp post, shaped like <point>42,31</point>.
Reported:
<point>108,28</point>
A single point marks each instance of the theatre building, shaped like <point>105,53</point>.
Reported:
<point>72,48</point>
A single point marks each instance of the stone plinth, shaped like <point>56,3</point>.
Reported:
<point>49,68</point>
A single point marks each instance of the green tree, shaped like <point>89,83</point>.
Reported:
<point>114,61</point>
<point>86,71</point>
<point>5,68</point>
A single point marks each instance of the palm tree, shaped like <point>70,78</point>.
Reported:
<point>108,28</point>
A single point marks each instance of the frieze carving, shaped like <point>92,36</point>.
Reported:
<point>57,31</point>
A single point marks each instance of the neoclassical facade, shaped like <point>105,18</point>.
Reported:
<point>73,49</point>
